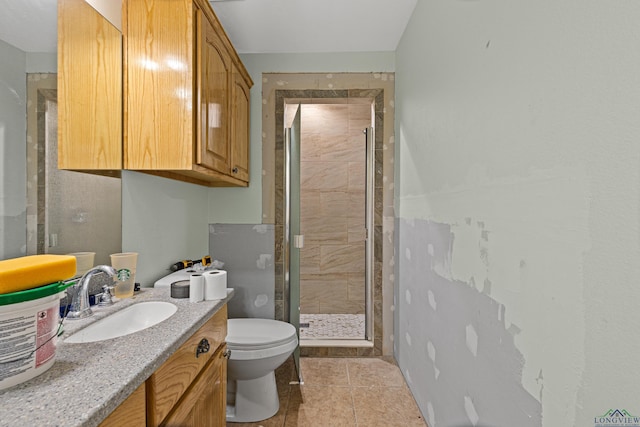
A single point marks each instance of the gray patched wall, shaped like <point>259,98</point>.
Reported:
<point>451,342</point>
<point>247,252</point>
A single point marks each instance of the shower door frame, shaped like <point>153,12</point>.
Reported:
<point>373,190</point>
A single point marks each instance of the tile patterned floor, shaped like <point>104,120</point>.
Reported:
<point>332,326</point>
<point>353,392</point>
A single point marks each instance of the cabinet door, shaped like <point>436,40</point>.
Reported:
<point>213,149</point>
<point>239,127</point>
<point>89,89</point>
<point>130,413</point>
<point>172,381</point>
<point>204,404</point>
<point>159,58</point>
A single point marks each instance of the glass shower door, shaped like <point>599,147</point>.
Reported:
<point>294,241</point>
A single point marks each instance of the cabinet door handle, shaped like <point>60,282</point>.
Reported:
<point>234,170</point>
<point>202,348</point>
<point>227,354</point>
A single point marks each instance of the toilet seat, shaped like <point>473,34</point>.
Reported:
<point>259,338</point>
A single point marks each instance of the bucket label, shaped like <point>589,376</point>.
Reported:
<point>17,338</point>
<point>22,331</point>
<point>47,325</point>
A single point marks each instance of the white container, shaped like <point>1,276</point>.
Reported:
<point>28,332</point>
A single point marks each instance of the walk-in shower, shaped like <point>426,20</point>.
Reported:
<point>329,220</point>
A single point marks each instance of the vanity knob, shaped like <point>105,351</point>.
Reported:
<point>234,170</point>
<point>227,354</point>
<point>203,347</point>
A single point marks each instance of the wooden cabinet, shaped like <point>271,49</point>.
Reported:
<point>203,405</point>
<point>190,386</point>
<point>130,413</point>
<point>239,126</point>
<point>181,86</point>
<point>188,390</point>
<point>89,90</point>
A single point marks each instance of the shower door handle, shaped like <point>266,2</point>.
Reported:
<point>298,241</point>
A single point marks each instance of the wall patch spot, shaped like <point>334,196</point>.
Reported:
<point>436,371</point>
<point>407,375</point>
<point>261,228</point>
<point>471,411</point>
<point>407,296</point>
<point>432,300</point>
<point>431,351</point>
<point>430,414</point>
<point>487,287</point>
<point>261,300</point>
<point>407,253</point>
<point>408,338</point>
<point>430,249</point>
<point>472,340</point>
<point>261,263</point>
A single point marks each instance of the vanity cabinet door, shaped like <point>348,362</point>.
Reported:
<point>89,89</point>
<point>130,413</point>
<point>170,383</point>
<point>204,404</point>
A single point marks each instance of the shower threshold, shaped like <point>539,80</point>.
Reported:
<point>363,343</point>
<point>334,327</point>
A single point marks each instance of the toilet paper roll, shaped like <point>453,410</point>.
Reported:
<point>215,286</point>
<point>196,288</point>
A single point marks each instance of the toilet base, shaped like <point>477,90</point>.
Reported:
<point>252,400</point>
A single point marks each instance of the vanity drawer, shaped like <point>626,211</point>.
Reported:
<point>167,385</point>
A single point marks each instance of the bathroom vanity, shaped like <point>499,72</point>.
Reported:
<point>164,374</point>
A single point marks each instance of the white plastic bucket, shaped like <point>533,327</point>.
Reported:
<point>28,332</point>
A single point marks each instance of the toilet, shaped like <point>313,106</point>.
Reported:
<point>258,347</point>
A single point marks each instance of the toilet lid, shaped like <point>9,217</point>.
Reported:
<point>254,334</point>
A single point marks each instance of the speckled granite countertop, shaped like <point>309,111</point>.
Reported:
<point>88,381</point>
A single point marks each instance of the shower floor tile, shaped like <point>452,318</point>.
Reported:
<point>332,326</point>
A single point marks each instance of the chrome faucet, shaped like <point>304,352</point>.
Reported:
<point>80,307</point>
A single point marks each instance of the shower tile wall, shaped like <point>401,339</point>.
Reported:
<point>333,154</point>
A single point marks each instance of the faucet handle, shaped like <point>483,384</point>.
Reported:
<point>105,296</point>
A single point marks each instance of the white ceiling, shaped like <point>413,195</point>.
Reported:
<point>267,26</point>
<point>254,26</point>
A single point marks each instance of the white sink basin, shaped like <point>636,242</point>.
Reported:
<point>124,322</point>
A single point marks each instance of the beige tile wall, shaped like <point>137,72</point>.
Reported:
<point>318,88</point>
<point>333,154</point>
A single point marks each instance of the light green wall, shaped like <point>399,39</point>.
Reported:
<point>42,62</point>
<point>164,220</point>
<point>244,205</point>
<point>13,152</point>
<point>517,126</point>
